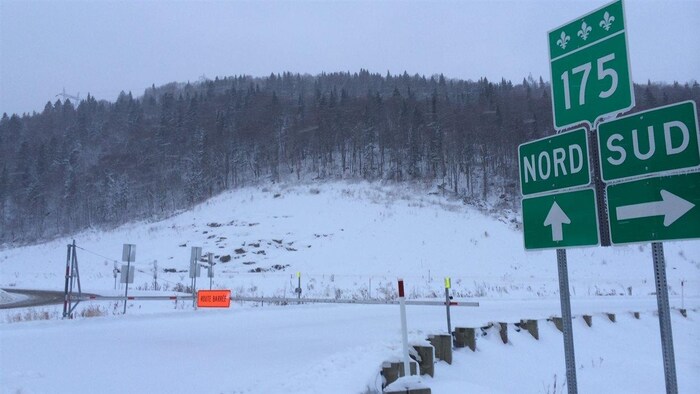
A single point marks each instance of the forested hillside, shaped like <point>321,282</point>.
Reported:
<point>96,163</point>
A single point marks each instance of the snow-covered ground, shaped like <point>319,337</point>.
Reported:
<point>348,240</point>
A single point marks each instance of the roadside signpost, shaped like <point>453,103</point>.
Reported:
<point>195,269</point>
<point>128,255</point>
<point>590,67</point>
<point>650,159</point>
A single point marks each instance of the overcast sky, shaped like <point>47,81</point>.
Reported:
<point>103,47</point>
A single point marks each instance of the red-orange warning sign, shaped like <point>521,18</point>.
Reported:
<point>214,298</point>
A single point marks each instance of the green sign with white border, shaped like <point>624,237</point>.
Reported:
<point>655,209</point>
<point>650,142</point>
<point>554,163</point>
<point>561,220</point>
<point>590,68</point>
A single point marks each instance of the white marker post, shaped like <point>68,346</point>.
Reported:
<point>404,331</point>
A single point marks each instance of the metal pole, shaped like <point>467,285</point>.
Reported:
<point>76,275</point>
<point>404,331</point>
<point>298,285</point>
<point>194,288</point>
<point>682,294</point>
<point>447,304</point>
<point>65,292</point>
<point>210,258</point>
<point>566,322</point>
<point>72,280</point>
<point>657,250</point>
<point>128,271</point>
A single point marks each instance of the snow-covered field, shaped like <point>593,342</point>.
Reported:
<point>348,240</point>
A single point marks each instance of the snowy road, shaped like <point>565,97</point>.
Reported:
<point>331,348</point>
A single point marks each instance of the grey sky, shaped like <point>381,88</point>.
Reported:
<point>105,47</point>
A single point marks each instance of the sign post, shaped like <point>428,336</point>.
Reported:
<point>210,272</point>
<point>661,141</point>
<point>657,250</point>
<point>195,270</point>
<point>448,284</point>
<point>128,255</point>
<point>404,331</point>
<point>568,332</point>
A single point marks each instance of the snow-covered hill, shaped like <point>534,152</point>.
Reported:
<point>348,240</point>
<point>340,236</point>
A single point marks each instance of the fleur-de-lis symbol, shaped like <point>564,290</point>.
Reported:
<point>607,21</point>
<point>585,29</point>
<point>563,40</point>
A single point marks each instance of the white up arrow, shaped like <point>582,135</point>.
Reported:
<point>671,207</point>
<point>555,218</point>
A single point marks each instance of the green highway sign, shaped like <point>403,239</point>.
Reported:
<point>554,163</point>
<point>655,209</point>
<point>590,67</point>
<point>653,141</point>
<point>560,220</point>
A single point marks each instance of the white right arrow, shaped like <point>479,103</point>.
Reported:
<point>671,207</point>
<point>556,218</point>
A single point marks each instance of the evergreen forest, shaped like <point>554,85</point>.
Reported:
<point>98,164</point>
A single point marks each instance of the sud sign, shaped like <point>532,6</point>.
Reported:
<point>649,142</point>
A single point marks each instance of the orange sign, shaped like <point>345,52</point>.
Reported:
<point>214,298</point>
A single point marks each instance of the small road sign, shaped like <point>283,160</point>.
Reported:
<point>129,252</point>
<point>554,163</point>
<point>560,220</point>
<point>655,209</point>
<point>650,142</point>
<point>590,67</point>
<point>214,298</point>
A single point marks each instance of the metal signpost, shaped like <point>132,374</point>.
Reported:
<point>195,270</point>
<point>590,67</point>
<point>665,142</point>
<point>128,255</point>
<point>210,272</point>
<point>559,219</point>
<point>590,76</point>
<point>448,301</point>
<point>651,158</point>
<point>567,330</point>
<point>404,331</point>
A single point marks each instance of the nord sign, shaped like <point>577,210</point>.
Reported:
<point>590,67</point>
<point>560,220</point>
<point>655,209</point>
<point>554,163</point>
<point>650,142</point>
